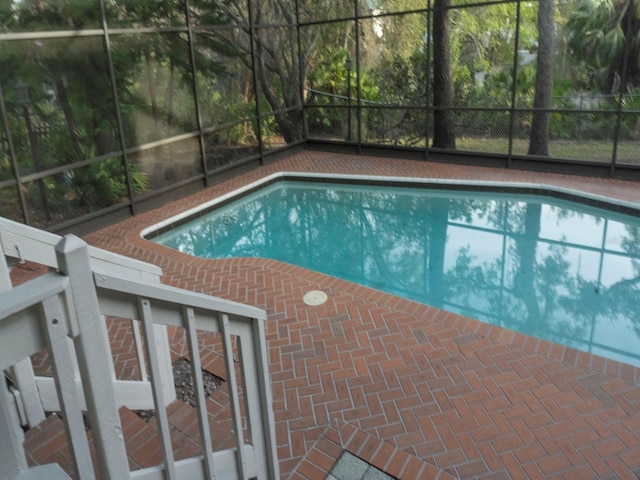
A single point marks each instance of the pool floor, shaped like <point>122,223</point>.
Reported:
<point>470,399</point>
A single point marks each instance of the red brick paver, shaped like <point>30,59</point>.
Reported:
<point>471,399</point>
<point>342,437</point>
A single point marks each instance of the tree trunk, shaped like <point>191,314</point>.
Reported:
<point>631,25</point>
<point>444,135</point>
<point>539,136</point>
<point>63,98</point>
<point>100,100</point>
<point>152,95</point>
<point>171,95</point>
<point>289,123</point>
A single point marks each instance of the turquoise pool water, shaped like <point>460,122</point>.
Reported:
<point>553,269</point>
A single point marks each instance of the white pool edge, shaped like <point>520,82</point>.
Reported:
<point>176,219</point>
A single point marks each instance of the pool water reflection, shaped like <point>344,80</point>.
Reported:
<point>553,269</point>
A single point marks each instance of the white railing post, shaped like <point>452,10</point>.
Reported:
<point>161,335</point>
<point>63,366</point>
<point>92,350</point>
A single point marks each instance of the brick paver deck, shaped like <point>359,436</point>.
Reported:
<point>460,395</point>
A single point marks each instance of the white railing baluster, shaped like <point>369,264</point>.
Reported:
<point>233,393</point>
<point>13,461</point>
<point>146,317</point>
<point>258,397</point>
<point>65,373</point>
<point>25,381</point>
<point>164,361</point>
<point>196,371</point>
<point>137,339</point>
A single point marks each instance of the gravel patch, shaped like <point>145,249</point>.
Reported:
<point>185,389</point>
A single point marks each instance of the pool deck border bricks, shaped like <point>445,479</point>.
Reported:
<point>456,397</point>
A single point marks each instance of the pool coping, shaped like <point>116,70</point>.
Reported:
<point>538,189</point>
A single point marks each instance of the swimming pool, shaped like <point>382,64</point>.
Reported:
<point>558,270</point>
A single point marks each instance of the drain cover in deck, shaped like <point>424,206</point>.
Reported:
<point>315,298</point>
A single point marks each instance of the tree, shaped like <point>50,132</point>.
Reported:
<point>539,135</point>
<point>482,44</point>
<point>271,51</point>
<point>604,35</point>
<point>71,104</point>
<point>443,125</point>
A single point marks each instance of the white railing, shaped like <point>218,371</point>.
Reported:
<point>50,310</point>
<point>180,308</point>
<point>36,394</point>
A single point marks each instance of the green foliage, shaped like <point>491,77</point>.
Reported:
<point>143,13</point>
<point>103,184</point>
<point>630,125</point>
<point>599,33</point>
<point>331,83</point>
<point>482,42</point>
<point>328,77</point>
<point>6,169</point>
<point>40,15</point>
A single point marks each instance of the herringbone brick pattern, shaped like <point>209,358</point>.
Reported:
<point>125,359</point>
<point>47,443</point>
<point>460,395</point>
<point>342,437</point>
